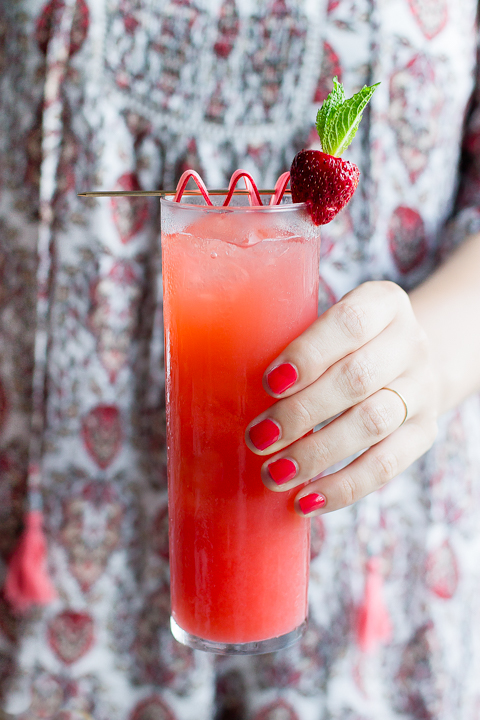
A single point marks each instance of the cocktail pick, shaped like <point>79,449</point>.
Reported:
<point>251,190</point>
<point>167,193</point>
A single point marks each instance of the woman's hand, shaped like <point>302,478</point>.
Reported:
<point>342,363</point>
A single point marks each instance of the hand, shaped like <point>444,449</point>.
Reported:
<point>341,365</point>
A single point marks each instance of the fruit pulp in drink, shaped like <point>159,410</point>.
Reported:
<point>238,287</point>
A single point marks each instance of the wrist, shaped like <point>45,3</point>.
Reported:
<point>447,306</point>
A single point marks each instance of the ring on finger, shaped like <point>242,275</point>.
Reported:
<point>403,401</point>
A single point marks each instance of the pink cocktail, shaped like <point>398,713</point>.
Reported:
<point>239,284</point>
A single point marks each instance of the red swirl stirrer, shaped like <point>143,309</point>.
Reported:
<point>254,194</point>
<point>182,184</point>
<point>280,189</point>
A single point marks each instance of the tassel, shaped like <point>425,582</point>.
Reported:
<point>27,580</point>
<point>374,626</point>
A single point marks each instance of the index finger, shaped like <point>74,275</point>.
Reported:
<point>357,318</point>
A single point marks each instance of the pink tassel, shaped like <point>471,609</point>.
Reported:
<point>374,626</point>
<point>27,580</point>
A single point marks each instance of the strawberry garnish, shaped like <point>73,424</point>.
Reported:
<point>323,180</point>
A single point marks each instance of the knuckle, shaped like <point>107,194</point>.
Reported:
<point>319,454</point>
<point>397,293</point>
<point>300,414</point>
<point>353,320</point>
<point>357,376</point>
<point>385,467</point>
<point>375,419</point>
<point>308,348</point>
<point>347,490</point>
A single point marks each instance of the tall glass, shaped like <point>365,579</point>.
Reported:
<point>239,284</point>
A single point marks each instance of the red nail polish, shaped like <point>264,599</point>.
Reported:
<point>282,470</point>
<point>281,378</point>
<point>264,433</point>
<point>312,502</point>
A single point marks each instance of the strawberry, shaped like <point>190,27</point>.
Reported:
<point>323,180</point>
<point>326,183</point>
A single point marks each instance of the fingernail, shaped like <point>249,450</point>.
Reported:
<point>312,502</point>
<point>264,433</point>
<point>281,378</point>
<point>282,470</point>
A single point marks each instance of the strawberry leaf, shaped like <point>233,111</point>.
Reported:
<point>338,119</point>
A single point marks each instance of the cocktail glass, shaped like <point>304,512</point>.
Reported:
<point>239,284</point>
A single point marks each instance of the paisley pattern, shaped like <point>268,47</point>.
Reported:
<point>71,635</point>
<point>430,15</point>
<point>407,239</point>
<point>126,95</point>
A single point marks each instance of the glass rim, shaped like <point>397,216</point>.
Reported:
<point>284,207</point>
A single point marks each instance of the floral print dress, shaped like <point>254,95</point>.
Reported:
<point>127,94</point>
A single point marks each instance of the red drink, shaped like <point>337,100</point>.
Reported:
<point>239,284</point>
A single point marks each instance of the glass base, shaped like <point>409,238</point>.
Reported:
<point>248,648</point>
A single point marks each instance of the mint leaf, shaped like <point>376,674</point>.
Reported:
<point>335,99</point>
<point>338,119</point>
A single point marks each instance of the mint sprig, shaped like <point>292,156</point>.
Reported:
<point>338,119</point>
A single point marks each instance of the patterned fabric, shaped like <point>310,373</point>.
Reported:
<point>127,94</point>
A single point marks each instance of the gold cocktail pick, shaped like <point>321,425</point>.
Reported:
<point>164,193</point>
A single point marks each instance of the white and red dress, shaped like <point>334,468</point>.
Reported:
<point>127,94</point>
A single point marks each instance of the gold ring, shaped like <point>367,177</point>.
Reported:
<point>403,401</point>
